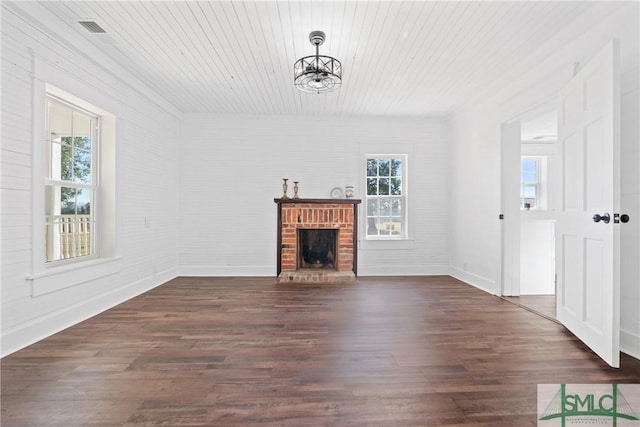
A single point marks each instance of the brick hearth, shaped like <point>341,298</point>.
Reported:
<point>339,214</point>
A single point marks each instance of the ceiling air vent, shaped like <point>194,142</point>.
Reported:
<point>92,27</point>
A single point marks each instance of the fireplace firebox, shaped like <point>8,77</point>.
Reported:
<point>316,248</point>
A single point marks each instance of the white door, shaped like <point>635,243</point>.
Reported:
<point>587,246</point>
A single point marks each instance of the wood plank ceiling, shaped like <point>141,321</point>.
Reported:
<point>399,58</point>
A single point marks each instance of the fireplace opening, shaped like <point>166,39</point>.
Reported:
<point>317,248</point>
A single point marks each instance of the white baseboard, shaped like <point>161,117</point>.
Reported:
<point>26,334</point>
<point>630,343</point>
<point>475,280</point>
<point>228,271</point>
<point>403,270</point>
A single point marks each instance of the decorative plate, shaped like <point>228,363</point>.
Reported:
<point>336,193</point>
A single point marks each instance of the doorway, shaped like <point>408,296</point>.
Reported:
<point>531,229</point>
<point>587,249</point>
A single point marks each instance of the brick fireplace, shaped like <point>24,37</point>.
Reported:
<point>317,240</point>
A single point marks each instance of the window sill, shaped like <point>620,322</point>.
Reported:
<point>57,278</point>
<point>386,244</point>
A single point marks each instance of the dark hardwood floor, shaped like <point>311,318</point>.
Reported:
<point>544,305</point>
<point>392,351</point>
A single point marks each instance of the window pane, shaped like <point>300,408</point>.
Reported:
<point>372,187</point>
<point>396,186</point>
<point>60,119</point>
<point>384,227</point>
<point>372,228</point>
<point>383,187</point>
<point>83,201</point>
<point>82,165</point>
<point>529,171</point>
<point>529,177</point>
<point>81,126</point>
<point>83,142</point>
<point>66,163</point>
<point>396,207</point>
<point>372,167</point>
<point>396,226</point>
<point>372,207</point>
<point>68,236</point>
<point>528,192</point>
<point>385,207</point>
<point>396,167</point>
<point>384,167</point>
<point>68,201</point>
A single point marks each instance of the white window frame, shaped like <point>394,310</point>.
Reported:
<point>403,197</point>
<point>53,245</point>
<point>46,277</point>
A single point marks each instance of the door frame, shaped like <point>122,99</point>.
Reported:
<point>510,222</point>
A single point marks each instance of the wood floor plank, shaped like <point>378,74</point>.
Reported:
<point>383,351</point>
<point>544,305</point>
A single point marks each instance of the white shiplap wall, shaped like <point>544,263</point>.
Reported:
<point>147,181</point>
<point>475,159</point>
<point>232,169</point>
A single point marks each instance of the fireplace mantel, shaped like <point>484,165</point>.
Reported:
<point>319,201</point>
<point>338,214</point>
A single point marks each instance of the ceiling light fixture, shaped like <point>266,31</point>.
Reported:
<point>317,73</point>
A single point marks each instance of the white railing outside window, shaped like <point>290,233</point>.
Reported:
<point>69,236</point>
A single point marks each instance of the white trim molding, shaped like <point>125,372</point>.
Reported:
<point>475,280</point>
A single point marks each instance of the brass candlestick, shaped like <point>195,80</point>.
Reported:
<point>295,189</point>
<point>284,188</point>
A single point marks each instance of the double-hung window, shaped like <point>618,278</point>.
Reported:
<point>71,150</point>
<point>386,196</point>
<point>530,183</point>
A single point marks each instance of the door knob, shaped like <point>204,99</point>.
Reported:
<point>604,218</point>
<point>624,218</point>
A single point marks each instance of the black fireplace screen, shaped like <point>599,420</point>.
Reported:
<point>317,248</point>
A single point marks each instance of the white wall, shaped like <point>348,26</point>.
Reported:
<point>475,160</point>
<point>146,167</point>
<point>630,204</point>
<point>537,267</point>
<point>232,169</point>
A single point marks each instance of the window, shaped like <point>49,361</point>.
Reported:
<point>75,236</point>
<point>532,183</point>
<point>70,180</point>
<point>386,203</point>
